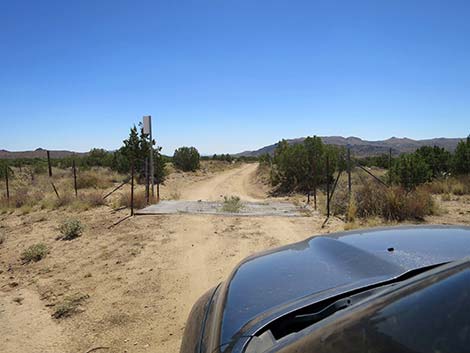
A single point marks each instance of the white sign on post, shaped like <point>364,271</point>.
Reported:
<point>147,123</point>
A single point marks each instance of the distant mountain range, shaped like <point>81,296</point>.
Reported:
<point>359,147</point>
<point>38,153</point>
<point>363,148</point>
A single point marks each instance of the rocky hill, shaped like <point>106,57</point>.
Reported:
<point>363,148</point>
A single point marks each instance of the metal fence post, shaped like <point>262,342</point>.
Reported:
<point>49,163</point>
<point>349,173</point>
<point>147,181</point>
<point>6,182</point>
<point>132,188</point>
<point>327,186</point>
<point>74,178</point>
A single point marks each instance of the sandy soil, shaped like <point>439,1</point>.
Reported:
<point>141,276</point>
<point>238,182</point>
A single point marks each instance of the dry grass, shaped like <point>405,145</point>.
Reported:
<point>28,194</point>
<point>453,185</point>
<point>371,200</point>
<point>140,201</point>
<point>393,203</point>
<point>96,178</point>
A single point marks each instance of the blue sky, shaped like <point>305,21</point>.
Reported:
<point>226,76</point>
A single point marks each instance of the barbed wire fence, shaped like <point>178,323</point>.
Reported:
<point>130,179</point>
<point>351,164</point>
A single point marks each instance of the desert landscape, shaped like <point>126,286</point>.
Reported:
<point>129,287</point>
<point>148,147</point>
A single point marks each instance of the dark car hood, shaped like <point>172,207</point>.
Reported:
<point>265,283</point>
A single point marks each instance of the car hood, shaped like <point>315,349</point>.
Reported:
<point>271,282</point>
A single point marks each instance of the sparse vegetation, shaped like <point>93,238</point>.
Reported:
<point>232,204</point>
<point>34,253</point>
<point>459,185</point>
<point>93,179</point>
<point>140,200</point>
<point>393,203</point>
<point>69,306</point>
<point>70,229</point>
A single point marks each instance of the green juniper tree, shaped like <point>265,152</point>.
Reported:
<point>186,159</point>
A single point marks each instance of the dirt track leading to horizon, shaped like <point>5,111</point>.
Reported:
<point>142,276</point>
<point>238,181</point>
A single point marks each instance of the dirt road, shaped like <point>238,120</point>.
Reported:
<point>141,277</point>
<point>238,182</point>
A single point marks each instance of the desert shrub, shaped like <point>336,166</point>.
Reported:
<point>458,188</point>
<point>340,200</point>
<point>439,186</point>
<point>369,200</point>
<point>461,158</point>
<point>70,229</point>
<point>69,306</point>
<point>419,204</point>
<point>93,199</point>
<point>186,159</point>
<point>410,170</point>
<point>351,212</point>
<point>34,253</point>
<point>302,166</point>
<point>66,198</point>
<point>437,158</point>
<point>393,203</point>
<point>459,185</point>
<point>140,200</point>
<point>19,197</point>
<point>87,180</point>
<point>93,179</point>
<point>232,204</point>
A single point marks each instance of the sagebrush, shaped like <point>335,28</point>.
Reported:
<point>70,229</point>
<point>34,253</point>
